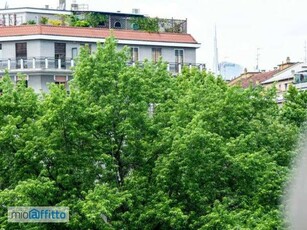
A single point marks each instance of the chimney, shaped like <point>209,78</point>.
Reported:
<point>275,68</point>
<point>46,6</point>
<point>245,70</point>
<point>136,11</point>
<point>288,60</point>
<point>263,71</point>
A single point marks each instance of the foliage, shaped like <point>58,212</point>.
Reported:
<point>54,22</point>
<point>208,156</point>
<point>95,19</point>
<point>295,108</point>
<point>146,23</point>
<point>89,19</point>
<point>44,20</point>
<point>31,22</point>
<point>82,23</point>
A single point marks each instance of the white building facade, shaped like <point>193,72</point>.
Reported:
<point>46,53</point>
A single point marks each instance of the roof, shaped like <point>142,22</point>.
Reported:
<point>284,74</point>
<point>26,30</point>
<point>258,78</point>
<point>243,75</point>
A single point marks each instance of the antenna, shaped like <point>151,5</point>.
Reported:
<point>257,59</point>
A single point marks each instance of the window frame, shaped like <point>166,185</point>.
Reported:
<point>132,54</point>
<point>74,52</point>
<point>154,54</point>
<point>21,53</point>
<point>59,55</point>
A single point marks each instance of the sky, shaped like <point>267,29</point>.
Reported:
<point>276,28</point>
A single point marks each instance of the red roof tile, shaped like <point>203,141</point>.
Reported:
<point>6,31</point>
<point>256,79</point>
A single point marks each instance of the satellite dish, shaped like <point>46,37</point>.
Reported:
<point>134,26</point>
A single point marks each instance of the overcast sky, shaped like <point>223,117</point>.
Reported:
<point>276,27</point>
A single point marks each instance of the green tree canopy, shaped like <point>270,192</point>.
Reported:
<point>134,147</point>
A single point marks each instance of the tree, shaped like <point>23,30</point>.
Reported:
<point>134,147</point>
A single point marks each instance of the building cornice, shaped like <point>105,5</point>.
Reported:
<point>95,40</point>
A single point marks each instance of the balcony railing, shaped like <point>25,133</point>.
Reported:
<point>52,64</point>
<point>36,63</point>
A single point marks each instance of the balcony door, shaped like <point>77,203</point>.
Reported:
<point>156,54</point>
<point>1,56</point>
<point>60,54</point>
<point>21,53</point>
<point>134,54</point>
<point>1,52</point>
<point>178,58</point>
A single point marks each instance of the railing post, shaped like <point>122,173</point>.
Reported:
<point>190,67</point>
<point>46,63</point>
<point>179,67</point>
<point>59,63</point>
<point>21,63</point>
<point>168,67</point>
<point>201,67</point>
<point>72,63</point>
<point>9,64</point>
<point>34,63</point>
<point>133,64</point>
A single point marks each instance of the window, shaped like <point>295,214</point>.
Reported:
<point>21,53</point>
<point>0,52</point>
<point>60,53</point>
<point>178,59</point>
<point>156,54</point>
<point>60,80</point>
<point>74,53</point>
<point>117,25</point>
<point>88,46</point>
<point>179,56</point>
<point>134,54</point>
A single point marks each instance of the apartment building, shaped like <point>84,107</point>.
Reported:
<point>46,52</point>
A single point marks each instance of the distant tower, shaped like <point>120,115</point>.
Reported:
<point>215,67</point>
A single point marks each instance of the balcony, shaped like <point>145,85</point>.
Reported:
<point>36,64</point>
<point>300,80</point>
<point>47,64</point>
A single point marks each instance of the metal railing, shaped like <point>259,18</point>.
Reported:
<point>48,63</point>
<point>36,63</point>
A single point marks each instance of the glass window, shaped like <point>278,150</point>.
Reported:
<point>60,53</point>
<point>134,54</point>
<point>74,53</point>
<point>21,53</point>
<point>179,56</point>
<point>0,51</point>
<point>156,54</point>
<point>178,59</point>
